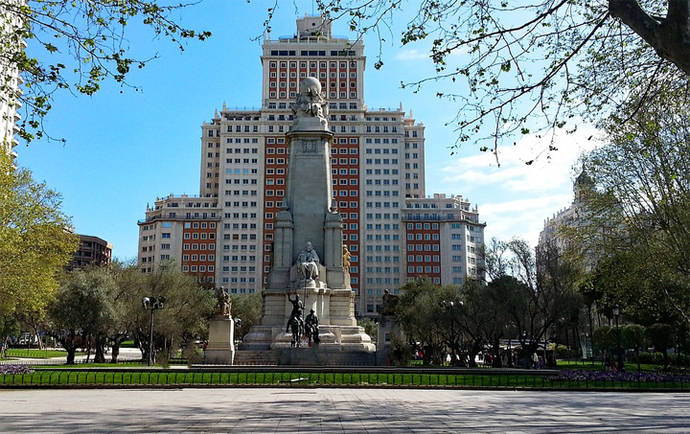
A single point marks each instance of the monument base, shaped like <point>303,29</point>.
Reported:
<point>314,356</point>
<point>332,337</point>
<point>221,348</point>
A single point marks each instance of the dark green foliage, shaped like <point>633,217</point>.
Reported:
<point>247,309</point>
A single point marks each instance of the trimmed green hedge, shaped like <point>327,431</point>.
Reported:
<point>46,377</point>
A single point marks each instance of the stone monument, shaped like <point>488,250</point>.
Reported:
<point>308,250</point>
<point>221,332</point>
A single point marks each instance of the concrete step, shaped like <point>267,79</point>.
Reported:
<point>248,357</point>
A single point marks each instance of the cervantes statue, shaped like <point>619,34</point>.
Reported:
<point>307,263</point>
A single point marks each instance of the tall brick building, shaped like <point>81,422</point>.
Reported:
<point>378,177</point>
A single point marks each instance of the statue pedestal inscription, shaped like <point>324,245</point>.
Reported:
<point>310,272</point>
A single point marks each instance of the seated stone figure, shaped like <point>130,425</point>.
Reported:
<point>307,263</point>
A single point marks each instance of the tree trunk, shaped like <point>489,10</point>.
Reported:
<point>70,355</point>
<point>99,356</point>
<point>474,349</point>
<point>497,362</point>
<point>114,352</point>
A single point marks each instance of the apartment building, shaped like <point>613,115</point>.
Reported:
<point>9,105</point>
<point>377,157</point>
<point>92,251</point>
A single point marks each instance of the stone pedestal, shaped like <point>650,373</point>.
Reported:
<point>221,348</point>
<point>387,328</point>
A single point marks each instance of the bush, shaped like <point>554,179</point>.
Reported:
<point>192,354</point>
<point>658,359</point>
<point>563,352</point>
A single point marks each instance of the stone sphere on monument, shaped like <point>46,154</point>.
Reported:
<point>310,84</point>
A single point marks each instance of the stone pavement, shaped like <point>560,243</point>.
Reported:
<point>334,410</point>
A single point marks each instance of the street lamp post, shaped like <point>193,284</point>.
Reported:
<point>620,367</point>
<point>152,304</point>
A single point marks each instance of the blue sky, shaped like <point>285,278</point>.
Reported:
<point>124,149</point>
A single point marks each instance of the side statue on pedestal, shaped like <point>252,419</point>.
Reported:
<point>346,258</point>
<point>223,302</point>
<point>307,261</point>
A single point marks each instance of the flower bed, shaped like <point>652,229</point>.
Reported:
<point>643,377</point>
<point>14,369</point>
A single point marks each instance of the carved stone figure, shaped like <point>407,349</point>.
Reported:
<point>346,258</point>
<point>307,263</point>
<point>310,101</point>
<point>223,302</point>
<point>390,302</point>
<point>311,326</point>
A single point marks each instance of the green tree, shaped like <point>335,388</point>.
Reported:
<point>34,245</point>
<point>247,309</point>
<point>82,311</point>
<point>420,315</point>
<point>604,339</point>
<point>639,208</point>
<point>520,66</point>
<point>76,46</point>
<point>661,337</point>
<point>128,279</point>
<point>487,312</point>
<point>182,321</point>
<point>9,326</point>
<point>634,337</point>
<point>546,292</point>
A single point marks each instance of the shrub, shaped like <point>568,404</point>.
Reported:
<point>193,354</point>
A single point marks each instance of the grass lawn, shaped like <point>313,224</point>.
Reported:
<point>35,354</point>
<point>96,365</point>
<point>172,377</point>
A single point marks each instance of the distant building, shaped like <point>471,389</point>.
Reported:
<point>572,216</point>
<point>9,106</point>
<point>444,239</point>
<point>186,229</point>
<point>378,171</point>
<point>92,251</point>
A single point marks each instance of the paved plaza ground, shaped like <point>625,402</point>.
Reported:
<point>333,410</point>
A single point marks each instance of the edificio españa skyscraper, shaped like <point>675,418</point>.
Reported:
<point>393,232</point>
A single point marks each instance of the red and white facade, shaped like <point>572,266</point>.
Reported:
<point>377,163</point>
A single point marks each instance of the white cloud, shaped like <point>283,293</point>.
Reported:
<point>521,217</point>
<point>515,198</point>
<point>411,54</point>
<point>549,171</point>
